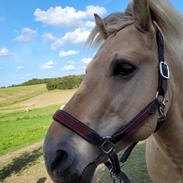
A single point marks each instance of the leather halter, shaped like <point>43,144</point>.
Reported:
<point>107,144</point>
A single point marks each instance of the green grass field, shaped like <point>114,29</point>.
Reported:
<point>18,129</point>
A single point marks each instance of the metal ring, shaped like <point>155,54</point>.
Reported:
<point>107,146</point>
<point>160,98</point>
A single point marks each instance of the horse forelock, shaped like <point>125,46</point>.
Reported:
<point>163,13</point>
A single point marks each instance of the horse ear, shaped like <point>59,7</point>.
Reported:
<point>141,13</point>
<point>101,26</point>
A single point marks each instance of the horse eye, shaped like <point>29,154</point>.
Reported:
<point>123,69</point>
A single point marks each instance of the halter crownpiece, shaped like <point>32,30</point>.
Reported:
<point>107,144</point>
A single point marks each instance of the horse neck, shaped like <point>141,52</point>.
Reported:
<point>169,137</point>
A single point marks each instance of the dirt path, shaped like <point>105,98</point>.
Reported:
<point>9,156</point>
<point>26,165</point>
<point>45,99</point>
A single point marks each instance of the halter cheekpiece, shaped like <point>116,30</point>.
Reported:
<point>107,144</point>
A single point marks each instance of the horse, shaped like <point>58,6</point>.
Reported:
<point>135,77</point>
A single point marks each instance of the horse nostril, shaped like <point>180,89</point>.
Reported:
<point>59,157</point>
<point>61,162</point>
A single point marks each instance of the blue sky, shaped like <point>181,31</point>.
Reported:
<point>45,38</point>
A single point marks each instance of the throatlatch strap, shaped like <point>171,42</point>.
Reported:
<point>118,171</point>
<point>115,162</point>
<point>127,153</point>
<point>124,177</point>
<point>161,121</point>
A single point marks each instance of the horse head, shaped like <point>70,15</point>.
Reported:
<point>121,79</point>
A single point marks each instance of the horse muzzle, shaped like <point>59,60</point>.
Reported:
<point>64,165</point>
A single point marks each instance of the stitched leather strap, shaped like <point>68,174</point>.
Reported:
<point>78,127</point>
<point>136,122</point>
<point>163,82</point>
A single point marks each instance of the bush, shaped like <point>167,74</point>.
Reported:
<point>67,82</point>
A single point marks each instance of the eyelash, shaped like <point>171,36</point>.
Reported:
<point>123,68</point>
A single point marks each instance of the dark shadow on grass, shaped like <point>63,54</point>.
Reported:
<point>20,163</point>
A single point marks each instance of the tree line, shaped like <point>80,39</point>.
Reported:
<point>66,82</point>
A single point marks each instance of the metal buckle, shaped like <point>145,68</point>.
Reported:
<point>162,103</point>
<point>161,99</point>
<point>107,146</point>
<point>164,70</point>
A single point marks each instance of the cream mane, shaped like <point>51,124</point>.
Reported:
<point>168,19</point>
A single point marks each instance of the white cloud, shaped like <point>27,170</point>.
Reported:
<point>79,35</point>
<point>4,52</point>
<point>69,68</point>
<point>47,37</point>
<point>68,16</point>
<point>86,61</point>
<point>68,53</point>
<point>81,22</point>
<point>26,34</point>
<point>49,65</point>
<point>57,43</point>
<point>20,67</point>
<point>89,24</point>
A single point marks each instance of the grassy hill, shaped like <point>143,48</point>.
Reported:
<point>12,95</point>
<point>18,129</point>
<point>33,96</point>
<point>35,92</point>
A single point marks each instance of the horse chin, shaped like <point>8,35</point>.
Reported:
<point>88,173</point>
<point>85,177</point>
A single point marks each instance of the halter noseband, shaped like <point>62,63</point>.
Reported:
<point>107,144</point>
